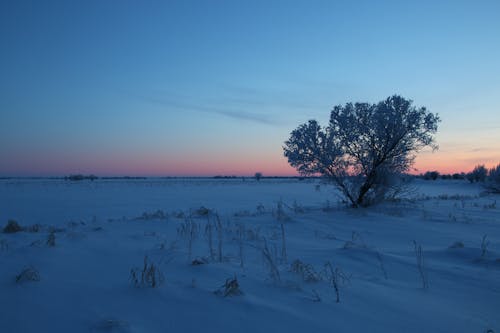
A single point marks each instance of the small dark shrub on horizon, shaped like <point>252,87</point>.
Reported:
<point>79,177</point>
<point>12,227</point>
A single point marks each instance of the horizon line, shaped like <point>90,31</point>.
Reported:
<point>216,176</point>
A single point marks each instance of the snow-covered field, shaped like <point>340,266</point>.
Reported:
<point>279,255</point>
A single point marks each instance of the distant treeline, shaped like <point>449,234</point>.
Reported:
<point>94,177</point>
<point>479,174</point>
<point>80,177</point>
<point>433,175</point>
<point>263,177</point>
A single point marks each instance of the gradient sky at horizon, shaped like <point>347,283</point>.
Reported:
<point>189,88</point>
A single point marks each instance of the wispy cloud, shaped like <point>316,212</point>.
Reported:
<point>479,127</point>
<point>260,118</point>
<point>485,159</point>
<point>179,103</point>
<point>282,103</point>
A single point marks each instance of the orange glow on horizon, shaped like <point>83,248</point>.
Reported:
<point>449,162</point>
<point>153,164</point>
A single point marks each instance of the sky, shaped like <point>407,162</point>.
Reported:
<point>203,88</point>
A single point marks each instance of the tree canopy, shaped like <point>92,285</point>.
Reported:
<point>363,145</point>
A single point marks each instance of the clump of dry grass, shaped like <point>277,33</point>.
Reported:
<point>336,277</point>
<point>297,208</point>
<point>279,212</point>
<point>243,213</point>
<point>33,228</point>
<point>158,215</point>
<point>355,242</point>
<point>381,264</point>
<point>4,245</point>
<point>220,239</point>
<point>333,275</point>
<point>202,211</point>
<point>28,274</point>
<point>230,288</point>
<point>51,239</point>
<point>284,256</point>
<point>419,255</point>
<point>457,245</point>
<point>56,229</point>
<point>306,271</point>
<point>484,246</point>
<point>149,276</point>
<point>261,209</point>
<point>199,261</point>
<point>270,261</point>
<point>111,325</point>
<point>178,214</point>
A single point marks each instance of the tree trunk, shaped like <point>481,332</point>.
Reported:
<point>367,185</point>
<point>362,192</point>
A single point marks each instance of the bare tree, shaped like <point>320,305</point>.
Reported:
<point>364,146</point>
<point>431,175</point>
<point>258,175</point>
<point>479,174</point>
<point>493,180</point>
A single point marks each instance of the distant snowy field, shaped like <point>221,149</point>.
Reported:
<point>293,249</point>
<point>59,201</point>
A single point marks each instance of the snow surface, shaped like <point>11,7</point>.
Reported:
<point>104,229</point>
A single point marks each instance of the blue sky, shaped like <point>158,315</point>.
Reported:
<point>215,87</point>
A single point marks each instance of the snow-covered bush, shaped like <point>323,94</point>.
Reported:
<point>363,145</point>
